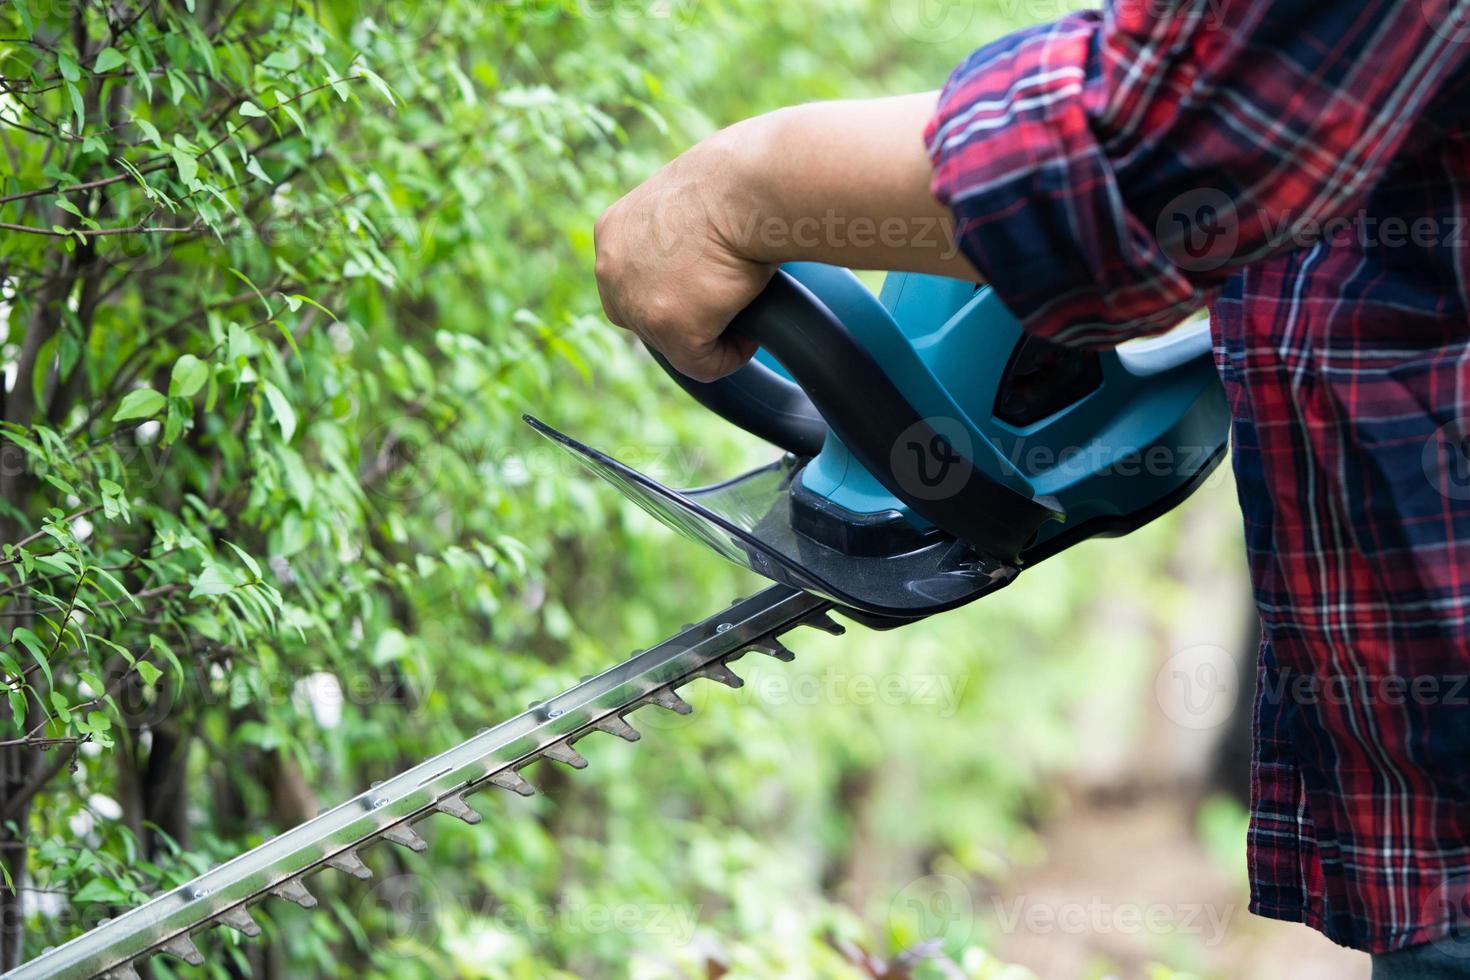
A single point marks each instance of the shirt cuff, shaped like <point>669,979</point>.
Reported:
<point>1038,207</point>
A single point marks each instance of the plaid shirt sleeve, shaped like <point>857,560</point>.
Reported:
<point>1116,170</point>
<point>1110,170</point>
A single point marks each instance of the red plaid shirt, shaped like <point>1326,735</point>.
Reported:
<point>1303,167</point>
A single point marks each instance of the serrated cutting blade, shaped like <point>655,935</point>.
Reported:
<point>438,785</point>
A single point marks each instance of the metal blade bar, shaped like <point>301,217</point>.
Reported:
<point>277,865</point>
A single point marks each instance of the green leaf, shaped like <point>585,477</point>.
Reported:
<point>214,580</point>
<point>281,406</point>
<point>187,164</point>
<point>377,82</point>
<point>149,131</point>
<point>173,425</point>
<point>78,104</point>
<point>283,59</point>
<point>140,72</point>
<point>251,111</point>
<point>27,23</point>
<point>57,564</point>
<point>289,337</point>
<point>25,636</point>
<point>247,558</point>
<point>113,504</point>
<point>165,651</point>
<point>107,60</point>
<point>100,890</point>
<point>120,590</point>
<point>140,403</point>
<point>187,377</point>
<point>148,672</point>
<point>67,65</point>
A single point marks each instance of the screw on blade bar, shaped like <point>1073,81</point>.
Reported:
<point>494,756</point>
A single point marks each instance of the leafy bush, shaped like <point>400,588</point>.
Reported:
<point>277,280</point>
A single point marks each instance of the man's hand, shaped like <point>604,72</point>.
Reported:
<point>667,271</point>
<point>845,183</point>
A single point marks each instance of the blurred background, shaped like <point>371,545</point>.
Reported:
<point>277,280</point>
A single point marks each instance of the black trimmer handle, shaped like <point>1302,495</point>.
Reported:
<point>844,387</point>
<point>760,401</point>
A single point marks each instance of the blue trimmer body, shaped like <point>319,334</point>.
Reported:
<point>933,449</point>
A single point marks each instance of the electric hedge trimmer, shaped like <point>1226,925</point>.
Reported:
<point>932,451</point>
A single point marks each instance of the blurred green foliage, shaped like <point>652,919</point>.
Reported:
<point>276,281</point>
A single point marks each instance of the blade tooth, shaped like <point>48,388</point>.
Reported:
<point>774,648</point>
<point>239,920</point>
<point>564,753</point>
<point>824,622</point>
<point>456,807</point>
<point>292,890</point>
<point>405,836</point>
<point>351,863</point>
<point>182,947</point>
<point>722,673</point>
<point>615,725</point>
<point>123,972</point>
<point>513,781</point>
<point>667,699</point>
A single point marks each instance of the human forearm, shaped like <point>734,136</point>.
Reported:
<point>845,183</point>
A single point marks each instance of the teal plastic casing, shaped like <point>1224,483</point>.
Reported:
<point>1141,433</point>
